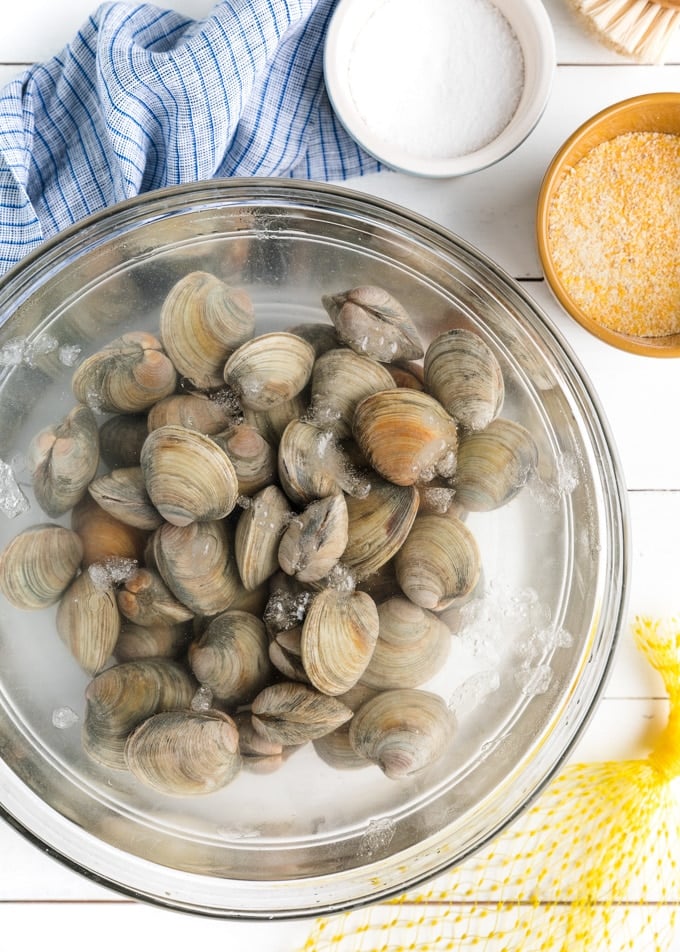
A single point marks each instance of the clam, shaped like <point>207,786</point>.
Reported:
<point>314,541</point>
<point>184,753</point>
<point>439,561</point>
<point>188,476</point>
<point>271,423</point>
<point>372,322</point>
<point>88,622</point>
<point>412,646</point>
<point>288,713</point>
<point>312,465</point>
<point>407,373</point>
<point>122,493</point>
<point>202,322</point>
<point>38,565</point>
<point>63,459</point>
<point>378,524</point>
<point>105,537</point>
<point>339,634</point>
<point>208,413</point>
<point>253,459</point>
<point>197,565</point>
<point>146,600</point>
<point>334,748</point>
<point>121,438</point>
<point>406,435</point>
<point>231,657</point>
<point>121,697</point>
<point>340,380</point>
<point>403,731</point>
<point>258,532</point>
<point>463,373</point>
<point>127,376</point>
<point>269,369</point>
<point>320,335</point>
<point>155,641</point>
<point>494,464</point>
<point>285,653</point>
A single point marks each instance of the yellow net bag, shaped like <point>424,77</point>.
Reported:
<point>594,865</point>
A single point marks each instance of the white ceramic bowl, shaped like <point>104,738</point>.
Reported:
<point>532,27</point>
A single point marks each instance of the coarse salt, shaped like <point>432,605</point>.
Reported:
<point>438,79</point>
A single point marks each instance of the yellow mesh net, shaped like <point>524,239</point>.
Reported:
<point>594,865</point>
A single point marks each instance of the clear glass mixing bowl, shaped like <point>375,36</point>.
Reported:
<point>538,638</point>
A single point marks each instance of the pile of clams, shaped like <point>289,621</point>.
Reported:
<point>264,533</point>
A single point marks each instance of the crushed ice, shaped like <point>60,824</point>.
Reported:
<point>112,571</point>
<point>64,717</point>
<point>12,500</point>
<point>202,699</point>
<point>284,611</point>
<point>19,350</point>
<point>69,354</point>
<point>470,694</point>
<point>565,479</point>
<point>378,836</point>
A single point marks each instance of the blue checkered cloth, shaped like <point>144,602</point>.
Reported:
<point>143,98</point>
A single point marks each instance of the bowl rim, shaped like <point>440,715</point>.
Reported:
<point>529,111</point>
<point>668,346</point>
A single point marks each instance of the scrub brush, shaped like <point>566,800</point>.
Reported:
<point>641,29</point>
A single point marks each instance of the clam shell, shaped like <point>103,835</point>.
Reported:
<point>146,600</point>
<point>122,493</point>
<point>202,322</point>
<point>121,438</point>
<point>439,561</point>
<point>121,697</point>
<point>334,748</point>
<point>314,541</point>
<point>88,622</point>
<point>258,532</point>
<point>38,565</point>
<point>184,753</point>
<point>270,369</point>
<point>312,465</point>
<point>128,375</point>
<point>271,423</point>
<point>463,373</point>
<point>63,459</point>
<point>188,477</point>
<point>232,658</point>
<point>378,524</point>
<point>290,714</point>
<point>156,641</point>
<point>207,413</point>
<point>339,634</point>
<point>372,322</point>
<point>321,336</point>
<point>103,536</point>
<point>406,435</point>
<point>285,653</point>
<point>340,380</point>
<point>494,464</point>
<point>253,459</point>
<point>402,731</point>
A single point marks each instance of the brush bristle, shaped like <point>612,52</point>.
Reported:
<point>636,28</point>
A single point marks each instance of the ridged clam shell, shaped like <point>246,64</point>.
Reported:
<point>288,713</point>
<point>285,653</point>
<point>121,697</point>
<point>312,465</point>
<point>145,599</point>
<point>402,731</point>
<point>63,459</point>
<point>38,565</point>
<point>412,646</point>
<point>270,369</point>
<point>271,423</point>
<point>463,373</point>
<point>439,561</point>
<point>321,336</point>
<point>202,322</point>
<point>258,533</point>
<point>254,460</point>
<point>334,748</point>
<point>197,565</point>
<point>494,464</point>
<point>378,524</point>
<point>121,438</point>
<point>156,641</point>
<point>105,537</point>
<point>406,435</point>
<point>340,380</point>
<point>232,657</point>
<point>372,322</point>
<point>88,622</point>
<point>339,634</point>
<point>184,753</point>
<point>207,413</point>
<point>128,375</point>
<point>188,477</point>
<point>122,493</point>
<point>314,541</point>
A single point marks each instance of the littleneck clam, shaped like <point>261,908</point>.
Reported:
<point>271,423</point>
<point>187,475</point>
<point>269,369</point>
<point>406,435</point>
<point>378,523</point>
<point>63,459</point>
<point>463,373</point>
<point>155,641</point>
<point>105,537</point>
<point>122,493</point>
<point>494,464</point>
<point>258,533</point>
<point>403,731</point>
<point>144,599</point>
<point>320,335</point>
<point>128,375</point>
<point>372,322</point>
<point>285,653</point>
<point>38,565</point>
<point>88,622</point>
<point>232,658</point>
<point>340,380</point>
<point>312,465</point>
<point>253,458</point>
<point>184,753</point>
<point>202,322</point>
<point>314,541</point>
<point>121,438</point>
<point>288,713</point>
<point>208,413</point>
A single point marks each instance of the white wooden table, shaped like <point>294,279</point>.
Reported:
<point>43,904</point>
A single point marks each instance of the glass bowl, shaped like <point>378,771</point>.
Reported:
<point>529,653</point>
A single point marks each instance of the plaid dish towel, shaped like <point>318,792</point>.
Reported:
<point>144,98</point>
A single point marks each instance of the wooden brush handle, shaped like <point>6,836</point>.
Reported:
<point>669,4</point>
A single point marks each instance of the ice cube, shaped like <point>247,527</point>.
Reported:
<point>69,354</point>
<point>378,836</point>
<point>470,694</point>
<point>45,344</point>
<point>202,699</point>
<point>64,717</point>
<point>12,353</point>
<point>12,500</point>
<point>112,571</point>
